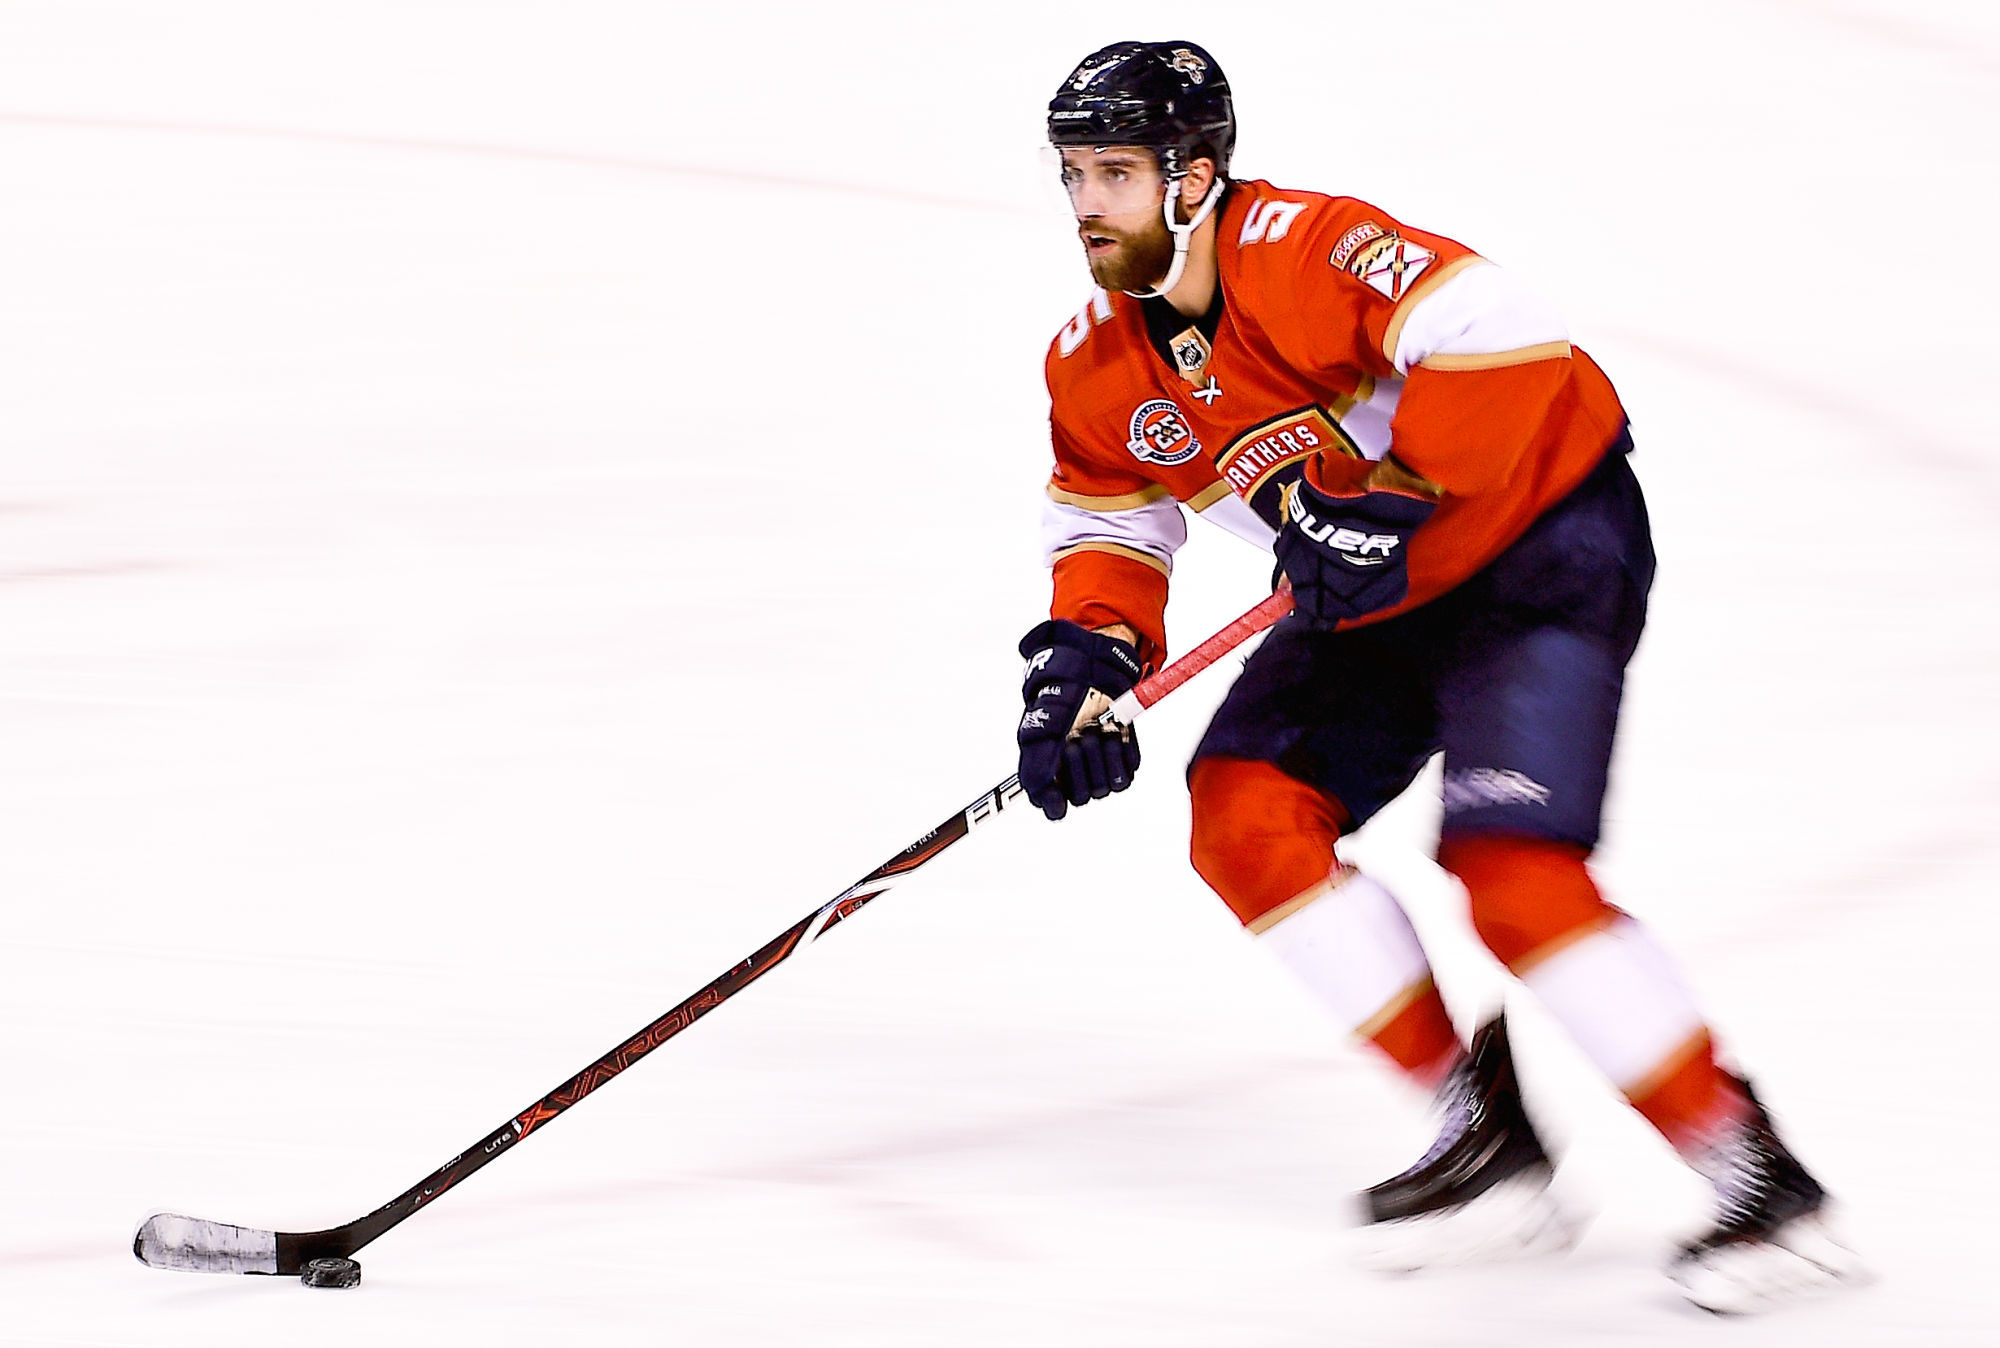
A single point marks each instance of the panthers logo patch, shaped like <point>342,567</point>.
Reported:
<point>1190,65</point>
<point>1391,264</point>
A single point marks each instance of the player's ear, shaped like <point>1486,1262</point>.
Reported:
<point>1198,179</point>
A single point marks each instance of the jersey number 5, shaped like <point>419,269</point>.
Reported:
<point>1268,221</point>
<point>1078,328</point>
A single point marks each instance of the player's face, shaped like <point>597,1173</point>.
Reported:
<point>1116,193</point>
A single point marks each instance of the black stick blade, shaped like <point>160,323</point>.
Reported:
<point>191,1245</point>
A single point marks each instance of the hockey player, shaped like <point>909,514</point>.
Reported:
<point>1444,480</point>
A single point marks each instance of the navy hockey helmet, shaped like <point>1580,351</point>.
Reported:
<point>1170,97</point>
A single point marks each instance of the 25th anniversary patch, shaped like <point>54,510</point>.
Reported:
<point>1159,433</point>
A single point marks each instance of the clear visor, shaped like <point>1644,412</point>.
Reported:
<point>1107,180</point>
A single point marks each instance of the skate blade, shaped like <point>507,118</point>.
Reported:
<point>1509,1221</point>
<point>1802,1260</point>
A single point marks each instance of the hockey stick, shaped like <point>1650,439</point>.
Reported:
<point>191,1244</point>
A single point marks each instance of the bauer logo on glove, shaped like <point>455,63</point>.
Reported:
<point>1345,547</point>
<point>1355,548</point>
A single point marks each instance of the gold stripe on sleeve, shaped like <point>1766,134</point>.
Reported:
<point>1116,550</point>
<point>1416,297</point>
<point>1108,504</point>
<point>1495,360</point>
<point>1347,402</point>
<point>1208,495</point>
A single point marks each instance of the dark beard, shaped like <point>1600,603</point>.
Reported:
<point>1139,263</point>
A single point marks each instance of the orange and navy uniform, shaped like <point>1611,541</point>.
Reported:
<point>1342,333</point>
<point>1345,336</point>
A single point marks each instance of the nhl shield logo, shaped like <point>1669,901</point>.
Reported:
<point>1160,434</point>
<point>1191,352</point>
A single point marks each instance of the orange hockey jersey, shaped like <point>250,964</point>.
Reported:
<point>1341,332</point>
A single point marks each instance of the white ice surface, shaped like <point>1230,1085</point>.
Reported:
<point>506,506</point>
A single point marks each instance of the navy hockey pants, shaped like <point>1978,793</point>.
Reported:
<point>1515,676</point>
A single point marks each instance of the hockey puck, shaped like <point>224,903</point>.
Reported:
<point>331,1273</point>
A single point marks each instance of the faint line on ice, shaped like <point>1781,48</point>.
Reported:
<point>1959,48</point>
<point>494,150</point>
<point>81,571</point>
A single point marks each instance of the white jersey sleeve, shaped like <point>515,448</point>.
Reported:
<point>1482,318</point>
<point>1146,526</point>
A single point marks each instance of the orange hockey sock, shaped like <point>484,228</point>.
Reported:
<point>1537,908</point>
<point>1261,838</point>
<point>1529,896</point>
<point>1419,1037</point>
<point>1691,1099</point>
<point>1264,841</point>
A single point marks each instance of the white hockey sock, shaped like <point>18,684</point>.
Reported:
<point>1351,944</point>
<point>1617,994</point>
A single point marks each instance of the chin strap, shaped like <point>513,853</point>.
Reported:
<point>1182,233</point>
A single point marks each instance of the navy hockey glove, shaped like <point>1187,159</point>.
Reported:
<point>1347,551</point>
<point>1066,758</point>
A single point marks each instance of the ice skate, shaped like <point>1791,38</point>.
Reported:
<point>1481,1191</point>
<point>1771,1243</point>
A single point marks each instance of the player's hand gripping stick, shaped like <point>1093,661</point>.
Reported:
<point>1068,756</point>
